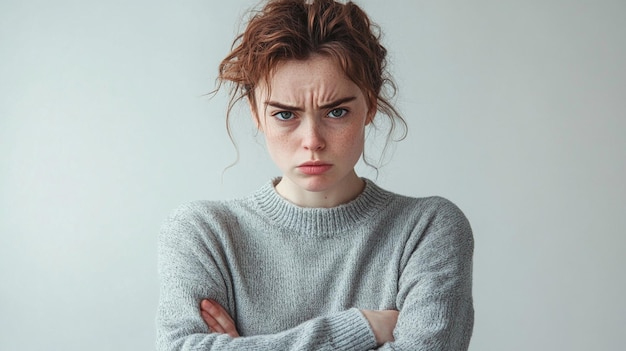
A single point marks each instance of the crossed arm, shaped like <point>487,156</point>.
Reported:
<point>219,321</point>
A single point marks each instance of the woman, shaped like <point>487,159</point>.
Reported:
<point>318,258</point>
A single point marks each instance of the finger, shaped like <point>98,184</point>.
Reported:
<point>216,318</point>
<point>212,323</point>
<point>219,314</point>
<point>205,305</point>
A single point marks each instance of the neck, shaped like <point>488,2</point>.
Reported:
<point>340,193</point>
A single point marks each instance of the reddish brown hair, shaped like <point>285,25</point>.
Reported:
<point>296,29</point>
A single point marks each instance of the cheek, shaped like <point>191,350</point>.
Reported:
<point>277,145</point>
<point>353,140</point>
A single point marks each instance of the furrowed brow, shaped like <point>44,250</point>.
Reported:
<point>300,109</point>
<point>338,102</point>
<point>283,106</point>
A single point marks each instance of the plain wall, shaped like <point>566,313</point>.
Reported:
<point>516,112</point>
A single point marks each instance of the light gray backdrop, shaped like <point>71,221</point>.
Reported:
<point>516,112</point>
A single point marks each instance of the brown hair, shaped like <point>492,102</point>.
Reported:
<point>296,29</point>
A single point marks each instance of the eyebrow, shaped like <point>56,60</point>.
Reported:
<point>296,108</point>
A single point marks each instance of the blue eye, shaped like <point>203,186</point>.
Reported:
<point>284,115</point>
<point>337,113</point>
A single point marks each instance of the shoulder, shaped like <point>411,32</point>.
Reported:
<point>199,211</point>
<point>439,236</point>
<point>445,227</point>
<point>201,220</point>
<point>431,208</point>
<point>430,215</point>
<point>444,211</point>
<point>193,214</point>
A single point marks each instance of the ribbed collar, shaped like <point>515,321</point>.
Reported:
<point>320,221</point>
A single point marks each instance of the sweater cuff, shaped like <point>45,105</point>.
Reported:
<point>352,331</point>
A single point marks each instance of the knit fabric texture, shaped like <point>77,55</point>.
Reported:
<point>295,278</point>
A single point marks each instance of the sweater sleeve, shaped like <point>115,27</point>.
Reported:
<point>435,284</point>
<point>192,267</point>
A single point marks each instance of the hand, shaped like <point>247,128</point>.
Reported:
<point>382,324</point>
<point>217,319</point>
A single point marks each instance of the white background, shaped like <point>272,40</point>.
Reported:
<point>516,112</point>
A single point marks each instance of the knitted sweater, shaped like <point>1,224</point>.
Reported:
<point>294,278</point>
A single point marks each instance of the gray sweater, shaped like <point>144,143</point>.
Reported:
<point>295,278</point>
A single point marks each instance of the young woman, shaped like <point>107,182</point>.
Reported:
<point>319,258</point>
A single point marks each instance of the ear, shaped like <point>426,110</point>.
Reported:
<point>371,112</point>
<point>255,115</point>
<point>370,117</point>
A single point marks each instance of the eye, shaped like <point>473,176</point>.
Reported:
<point>284,115</point>
<point>337,113</point>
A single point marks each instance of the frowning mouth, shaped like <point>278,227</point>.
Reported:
<point>314,167</point>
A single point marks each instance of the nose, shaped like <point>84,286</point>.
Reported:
<point>312,137</point>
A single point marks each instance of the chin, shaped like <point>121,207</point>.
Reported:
<point>317,183</point>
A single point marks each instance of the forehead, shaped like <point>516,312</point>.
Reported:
<point>315,75</point>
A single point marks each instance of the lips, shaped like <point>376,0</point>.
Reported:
<point>314,167</point>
